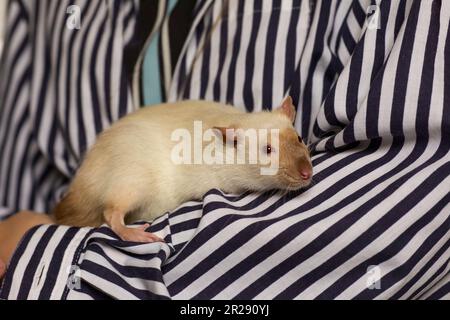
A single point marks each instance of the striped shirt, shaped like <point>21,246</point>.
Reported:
<point>371,80</point>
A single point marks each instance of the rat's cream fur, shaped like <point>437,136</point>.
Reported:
<point>129,170</point>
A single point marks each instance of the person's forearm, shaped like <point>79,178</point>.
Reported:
<point>14,228</point>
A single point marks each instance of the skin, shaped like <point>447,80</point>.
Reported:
<point>13,229</point>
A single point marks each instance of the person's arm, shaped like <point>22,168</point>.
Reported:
<point>14,228</point>
<point>2,269</point>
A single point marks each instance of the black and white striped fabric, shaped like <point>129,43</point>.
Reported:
<point>59,88</point>
<point>374,102</point>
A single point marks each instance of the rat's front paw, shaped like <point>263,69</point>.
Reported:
<point>136,234</point>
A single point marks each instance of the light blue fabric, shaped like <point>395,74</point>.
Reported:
<point>151,73</point>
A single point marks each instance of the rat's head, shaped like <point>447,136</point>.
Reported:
<point>295,169</point>
<point>283,158</point>
<point>294,162</point>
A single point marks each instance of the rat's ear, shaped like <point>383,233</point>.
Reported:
<point>222,131</point>
<point>287,108</point>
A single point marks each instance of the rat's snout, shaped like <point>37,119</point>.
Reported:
<point>305,174</point>
<point>305,170</point>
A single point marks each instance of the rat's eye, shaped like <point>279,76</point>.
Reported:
<point>268,149</point>
<point>300,139</point>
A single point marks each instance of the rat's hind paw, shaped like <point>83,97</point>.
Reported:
<point>137,234</point>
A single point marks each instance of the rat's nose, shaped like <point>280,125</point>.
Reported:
<point>305,174</point>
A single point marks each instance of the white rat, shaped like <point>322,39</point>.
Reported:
<point>129,174</point>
